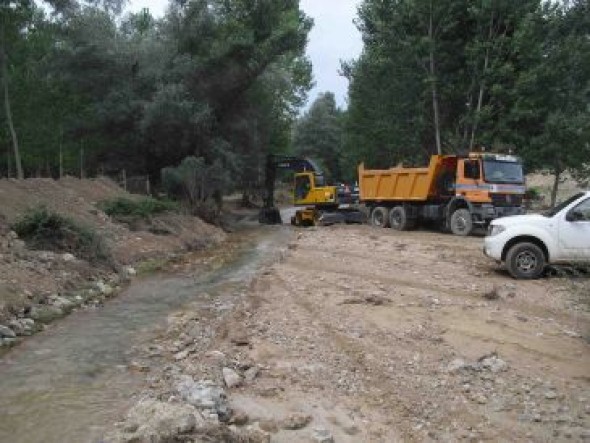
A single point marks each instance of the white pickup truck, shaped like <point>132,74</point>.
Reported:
<point>527,243</point>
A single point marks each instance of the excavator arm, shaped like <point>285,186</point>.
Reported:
<point>269,214</point>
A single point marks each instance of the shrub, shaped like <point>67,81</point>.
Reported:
<point>142,208</point>
<point>45,230</point>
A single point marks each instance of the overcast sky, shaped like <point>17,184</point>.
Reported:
<point>333,38</point>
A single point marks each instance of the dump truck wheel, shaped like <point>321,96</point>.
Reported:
<point>398,219</point>
<point>380,217</point>
<point>525,261</point>
<point>461,222</point>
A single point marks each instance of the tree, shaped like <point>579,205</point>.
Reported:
<point>551,116</point>
<point>318,135</point>
<point>14,20</point>
<point>433,77</point>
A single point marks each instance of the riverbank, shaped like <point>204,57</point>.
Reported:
<point>39,286</point>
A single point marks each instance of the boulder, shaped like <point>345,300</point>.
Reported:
<point>156,421</point>
<point>45,313</point>
<point>6,332</point>
<point>232,378</point>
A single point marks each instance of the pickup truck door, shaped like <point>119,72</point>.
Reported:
<point>574,236</point>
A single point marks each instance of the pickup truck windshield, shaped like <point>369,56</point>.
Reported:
<point>503,172</point>
<point>559,207</point>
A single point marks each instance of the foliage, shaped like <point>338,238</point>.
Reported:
<point>199,184</point>
<point>45,230</point>
<point>318,135</point>
<point>93,91</point>
<point>140,208</point>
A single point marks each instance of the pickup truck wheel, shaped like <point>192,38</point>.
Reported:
<point>398,219</point>
<point>461,222</point>
<point>525,261</point>
<point>380,217</point>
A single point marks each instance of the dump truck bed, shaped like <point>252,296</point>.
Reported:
<point>399,184</point>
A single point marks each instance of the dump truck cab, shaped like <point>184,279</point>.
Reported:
<point>489,185</point>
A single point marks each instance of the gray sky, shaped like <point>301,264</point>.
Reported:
<point>333,38</point>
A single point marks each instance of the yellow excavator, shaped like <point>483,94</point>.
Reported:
<point>319,202</point>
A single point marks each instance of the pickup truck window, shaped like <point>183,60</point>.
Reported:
<point>584,209</point>
<point>562,205</point>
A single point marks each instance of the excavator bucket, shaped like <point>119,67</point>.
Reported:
<point>269,216</point>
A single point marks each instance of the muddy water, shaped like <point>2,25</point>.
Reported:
<point>67,383</point>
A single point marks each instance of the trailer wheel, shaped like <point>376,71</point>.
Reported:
<point>380,217</point>
<point>461,222</point>
<point>398,219</point>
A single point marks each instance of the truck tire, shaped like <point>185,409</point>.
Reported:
<point>380,217</point>
<point>461,222</point>
<point>398,219</point>
<point>525,261</point>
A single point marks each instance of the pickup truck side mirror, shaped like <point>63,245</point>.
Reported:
<point>574,215</point>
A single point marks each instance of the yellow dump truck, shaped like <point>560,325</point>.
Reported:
<point>457,192</point>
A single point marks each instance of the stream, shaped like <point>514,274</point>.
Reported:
<point>71,381</point>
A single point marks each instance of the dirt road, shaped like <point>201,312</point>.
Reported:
<point>366,335</point>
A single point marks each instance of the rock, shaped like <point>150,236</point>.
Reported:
<point>550,395</point>
<point>493,363</point>
<point>138,367</point>
<point>67,257</point>
<point>480,398</point>
<point>239,337</point>
<point>295,421</point>
<point>232,378</point>
<point>181,355</point>
<point>269,425</point>
<point>65,304</point>
<point>130,272</point>
<point>17,326</point>
<point>321,435</point>
<point>251,374</point>
<point>351,430</point>
<point>239,418</point>
<point>6,332</point>
<point>103,288</point>
<point>456,365</point>
<point>493,294</point>
<point>203,395</point>
<point>45,313</point>
<point>158,422</point>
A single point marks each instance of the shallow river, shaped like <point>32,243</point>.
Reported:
<point>70,381</point>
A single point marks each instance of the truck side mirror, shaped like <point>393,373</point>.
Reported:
<point>574,215</point>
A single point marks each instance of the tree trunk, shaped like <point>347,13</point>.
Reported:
<point>433,86</point>
<point>8,111</point>
<point>482,84</point>
<point>555,187</point>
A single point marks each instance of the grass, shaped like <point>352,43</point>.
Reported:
<point>45,230</point>
<point>122,207</point>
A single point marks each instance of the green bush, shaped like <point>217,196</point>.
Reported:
<point>534,194</point>
<point>141,208</point>
<point>45,230</point>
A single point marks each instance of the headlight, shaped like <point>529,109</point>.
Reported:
<point>495,230</point>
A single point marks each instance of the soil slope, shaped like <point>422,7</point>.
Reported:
<point>32,277</point>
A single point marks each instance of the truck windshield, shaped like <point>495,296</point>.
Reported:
<point>503,172</point>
